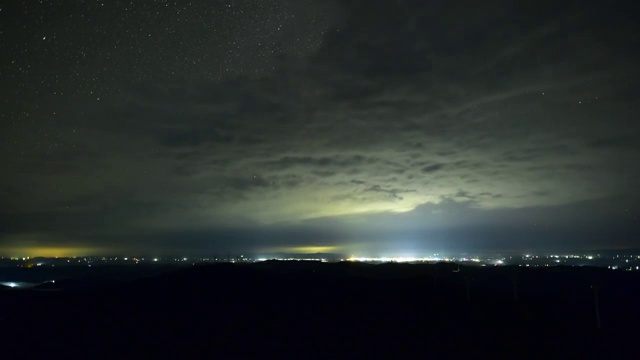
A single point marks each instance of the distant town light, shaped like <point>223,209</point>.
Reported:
<point>400,259</point>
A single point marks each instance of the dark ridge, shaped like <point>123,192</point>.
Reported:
<point>331,309</point>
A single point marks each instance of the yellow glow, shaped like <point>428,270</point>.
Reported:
<point>306,249</point>
<point>49,251</point>
<point>38,244</point>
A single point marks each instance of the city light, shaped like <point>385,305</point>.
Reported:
<point>625,262</point>
<point>394,259</point>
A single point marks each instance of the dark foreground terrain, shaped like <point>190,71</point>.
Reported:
<point>339,310</point>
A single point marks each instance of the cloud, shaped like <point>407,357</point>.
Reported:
<point>432,168</point>
<point>392,112</point>
<point>340,158</point>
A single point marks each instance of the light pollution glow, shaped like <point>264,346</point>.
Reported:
<point>49,251</point>
<point>305,249</point>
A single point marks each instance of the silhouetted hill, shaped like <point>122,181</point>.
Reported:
<point>339,310</point>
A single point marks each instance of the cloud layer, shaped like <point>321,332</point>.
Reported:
<point>401,107</point>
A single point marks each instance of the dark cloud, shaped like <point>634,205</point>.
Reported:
<point>336,162</point>
<point>248,183</point>
<point>193,137</point>
<point>624,141</point>
<point>432,168</point>
<point>393,193</point>
<point>464,113</point>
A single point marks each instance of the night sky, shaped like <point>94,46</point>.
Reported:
<point>364,127</point>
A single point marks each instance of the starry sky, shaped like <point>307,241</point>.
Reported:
<point>374,128</point>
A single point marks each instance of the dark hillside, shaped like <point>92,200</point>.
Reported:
<point>342,310</point>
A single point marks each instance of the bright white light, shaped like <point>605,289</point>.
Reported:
<point>392,259</point>
<point>155,259</point>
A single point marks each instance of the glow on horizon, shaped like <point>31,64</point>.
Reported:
<point>395,259</point>
<point>402,259</point>
<point>50,251</point>
<point>306,249</point>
